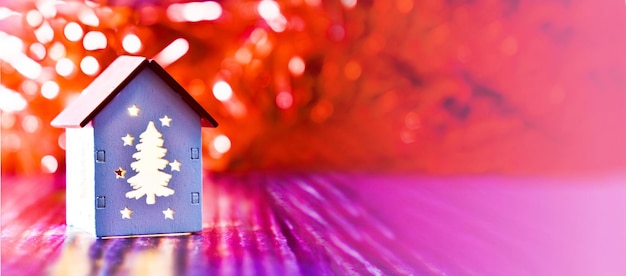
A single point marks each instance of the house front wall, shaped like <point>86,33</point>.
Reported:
<point>148,163</point>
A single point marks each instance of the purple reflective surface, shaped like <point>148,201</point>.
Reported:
<point>285,224</point>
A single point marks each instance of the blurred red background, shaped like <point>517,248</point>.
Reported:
<point>446,87</point>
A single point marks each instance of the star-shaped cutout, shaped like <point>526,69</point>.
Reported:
<point>165,121</point>
<point>120,173</point>
<point>128,140</point>
<point>126,213</point>
<point>169,213</point>
<point>133,111</point>
<point>175,165</point>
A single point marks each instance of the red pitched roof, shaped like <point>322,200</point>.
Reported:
<point>110,82</point>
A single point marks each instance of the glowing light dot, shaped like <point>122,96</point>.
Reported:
<point>336,33</point>
<point>284,100</point>
<point>268,9</point>
<point>30,87</point>
<point>89,65</point>
<point>348,3</point>
<point>222,91</point>
<point>30,123</point>
<point>313,3</point>
<point>88,17</point>
<point>73,31</point>
<point>408,136</point>
<point>131,43</point>
<point>279,24</point>
<point>57,51</point>
<point>65,67</point>
<point>61,141</point>
<point>37,51</point>
<point>172,52</point>
<point>322,111</point>
<point>44,33</point>
<point>26,66</point>
<point>49,164</point>
<point>50,90</point>
<point>6,12</point>
<point>10,46</point>
<point>352,70</point>
<point>404,6</point>
<point>11,142</point>
<point>243,55</point>
<point>7,119</point>
<point>47,8</point>
<point>221,143</point>
<point>296,66</point>
<point>34,18</point>
<point>196,87</point>
<point>197,11</point>
<point>412,121</point>
<point>194,11</point>
<point>258,36</point>
<point>11,101</point>
<point>94,41</point>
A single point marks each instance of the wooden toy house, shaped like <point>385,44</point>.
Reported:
<point>134,153</point>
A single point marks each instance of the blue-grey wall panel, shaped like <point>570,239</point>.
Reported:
<point>154,100</point>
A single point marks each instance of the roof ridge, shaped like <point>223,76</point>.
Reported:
<point>110,82</point>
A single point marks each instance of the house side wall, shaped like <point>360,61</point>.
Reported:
<point>80,213</point>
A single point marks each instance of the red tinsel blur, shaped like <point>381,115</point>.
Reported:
<point>439,86</point>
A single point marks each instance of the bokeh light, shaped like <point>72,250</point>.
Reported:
<point>284,100</point>
<point>10,46</point>
<point>49,164</point>
<point>12,101</point>
<point>25,66</point>
<point>433,79</point>
<point>296,66</point>
<point>88,17</point>
<point>44,33</point>
<point>222,91</point>
<point>352,70</point>
<point>194,11</point>
<point>89,65</point>
<point>6,12</point>
<point>131,43</point>
<point>65,67</point>
<point>221,143</point>
<point>94,40</point>
<point>30,87</point>
<point>57,51</point>
<point>270,11</point>
<point>30,124</point>
<point>172,52</point>
<point>34,18</point>
<point>47,8</point>
<point>38,51</point>
<point>50,90</point>
<point>73,31</point>
<point>349,3</point>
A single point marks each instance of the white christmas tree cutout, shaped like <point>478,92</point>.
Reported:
<point>150,180</point>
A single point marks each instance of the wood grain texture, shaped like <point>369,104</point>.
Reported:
<point>338,224</point>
